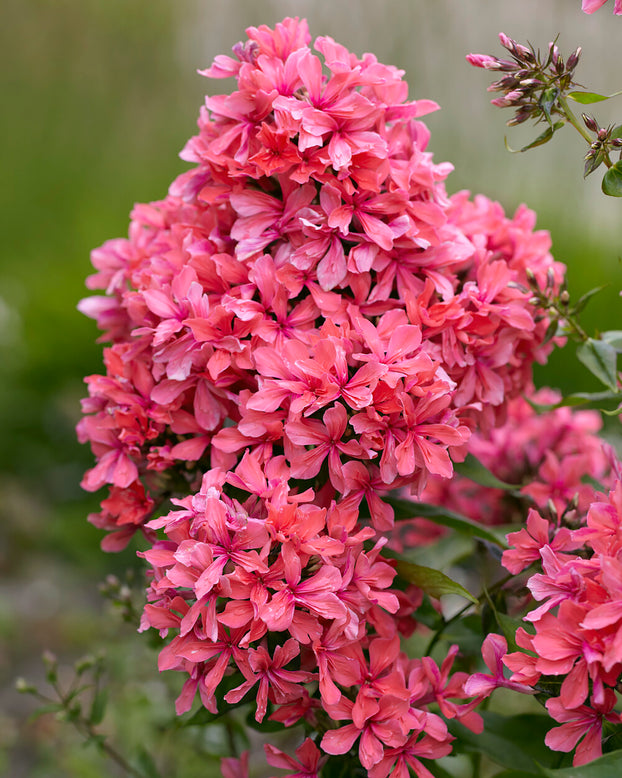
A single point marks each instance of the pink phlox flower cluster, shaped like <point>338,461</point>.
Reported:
<point>307,289</point>
<point>306,322</point>
<point>589,6</point>
<point>578,627</point>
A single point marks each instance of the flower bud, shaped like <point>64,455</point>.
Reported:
<point>483,61</point>
<point>590,122</point>
<point>23,687</point>
<point>573,59</point>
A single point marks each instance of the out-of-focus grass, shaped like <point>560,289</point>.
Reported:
<point>96,105</point>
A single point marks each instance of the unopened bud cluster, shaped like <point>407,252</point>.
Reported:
<point>531,84</point>
<point>603,144</point>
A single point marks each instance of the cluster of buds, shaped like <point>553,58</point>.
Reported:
<point>532,84</point>
<point>607,140</point>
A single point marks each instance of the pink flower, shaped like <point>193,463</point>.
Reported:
<point>494,650</point>
<point>589,6</point>
<point>581,722</point>
<point>235,768</point>
<point>307,765</point>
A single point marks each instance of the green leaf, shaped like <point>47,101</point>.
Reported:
<point>443,553</point>
<point>614,338</point>
<point>547,102</point>
<point>147,765</point>
<point>608,766</point>
<point>475,471</point>
<point>427,614</point>
<point>586,98</point>
<point>551,331</point>
<point>406,509</point>
<point>616,132</point>
<point>600,359</point>
<point>516,742</point>
<point>517,774</point>
<point>612,180</point>
<point>508,627</point>
<point>432,582</point>
<point>98,707</point>
<point>52,707</point>
<point>585,298</point>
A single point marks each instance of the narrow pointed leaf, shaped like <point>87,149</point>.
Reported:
<point>547,102</point>
<point>98,707</point>
<point>405,509</point>
<point>612,180</point>
<point>474,470</point>
<point>585,298</point>
<point>600,359</point>
<point>432,582</point>
<point>608,766</point>
<point>586,98</point>
<point>515,742</point>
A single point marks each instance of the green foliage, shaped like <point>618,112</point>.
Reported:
<point>431,581</point>
<point>608,766</point>
<point>475,471</point>
<point>516,742</point>
<point>612,180</point>
<point>587,98</point>
<point>600,359</point>
<point>405,509</point>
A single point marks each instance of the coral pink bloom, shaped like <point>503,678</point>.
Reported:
<point>494,649</point>
<point>387,722</point>
<point>307,765</point>
<point>397,760</point>
<point>275,682</point>
<point>339,660</point>
<point>527,543</point>
<point>581,722</point>
<point>316,593</point>
<point>327,438</point>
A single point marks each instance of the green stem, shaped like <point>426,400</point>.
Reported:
<point>572,119</point>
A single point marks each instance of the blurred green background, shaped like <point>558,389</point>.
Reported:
<point>98,97</point>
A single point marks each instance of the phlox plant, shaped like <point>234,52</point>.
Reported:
<point>317,390</point>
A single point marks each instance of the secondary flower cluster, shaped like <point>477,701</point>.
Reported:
<point>531,84</point>
<point>554,459</point>
<point>304,323</point>
<point>573,650</point>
